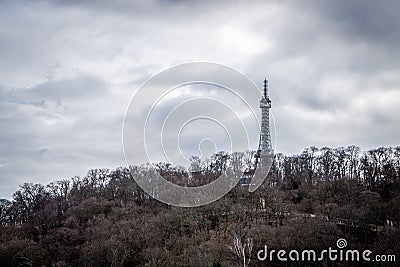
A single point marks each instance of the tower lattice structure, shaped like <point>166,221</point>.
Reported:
<point>264,145</point>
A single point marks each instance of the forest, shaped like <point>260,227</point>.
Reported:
<point>309,200</point>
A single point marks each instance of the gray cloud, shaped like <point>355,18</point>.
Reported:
<point>56,130</point>
<point>68,70</point>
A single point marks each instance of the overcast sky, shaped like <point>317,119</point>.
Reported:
<point>68,70</point>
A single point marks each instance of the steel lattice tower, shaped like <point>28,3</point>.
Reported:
<point>264,152</point>
<point>265,134</point>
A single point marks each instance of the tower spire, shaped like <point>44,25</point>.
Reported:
<point>265,88</point>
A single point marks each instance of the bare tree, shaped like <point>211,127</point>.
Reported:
<point>241,250</point>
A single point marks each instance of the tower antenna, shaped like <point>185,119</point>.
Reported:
<point>265,88</point>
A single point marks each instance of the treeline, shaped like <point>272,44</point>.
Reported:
<point>106,219</point>
<point>373,168</point>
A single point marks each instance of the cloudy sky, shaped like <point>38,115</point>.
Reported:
<point>68,70</point>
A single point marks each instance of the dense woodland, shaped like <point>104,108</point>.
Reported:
<point>307,201</point>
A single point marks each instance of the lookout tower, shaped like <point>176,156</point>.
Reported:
<point>264,145</point>
<point>265,134</point>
